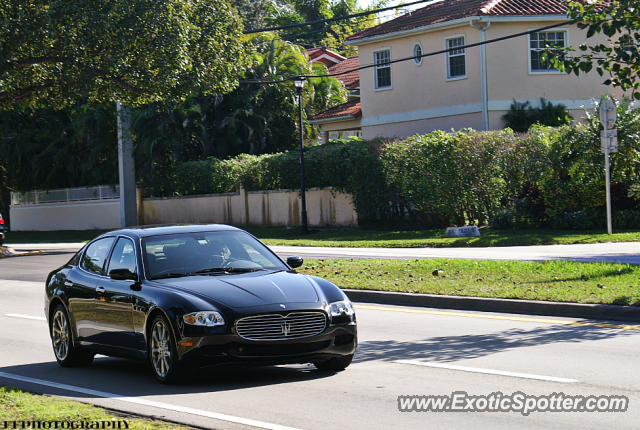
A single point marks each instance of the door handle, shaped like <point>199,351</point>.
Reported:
<point>68,284</point>
<point>100,290</point>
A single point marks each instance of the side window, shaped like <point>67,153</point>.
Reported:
<point>382,69</point>
<point>96,254</point>
<point>123,256</point>
<point>538,42</point>
<point>456,58</point>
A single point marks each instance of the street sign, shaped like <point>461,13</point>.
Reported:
<point>608,114</point>
<point>609,143</point>
<point>609,140</point>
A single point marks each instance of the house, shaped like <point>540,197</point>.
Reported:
<point>466,86</point>
<point>343,120</point>
<point>325,56</point>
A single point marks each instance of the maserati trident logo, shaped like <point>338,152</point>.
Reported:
<point>286,329</point>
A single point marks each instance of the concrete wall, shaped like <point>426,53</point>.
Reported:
<point>66,216</point>
<point>253,208</point>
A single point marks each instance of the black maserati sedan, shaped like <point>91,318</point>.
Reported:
<point>194,296</point>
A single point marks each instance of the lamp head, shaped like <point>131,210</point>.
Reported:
<point>299,82</point>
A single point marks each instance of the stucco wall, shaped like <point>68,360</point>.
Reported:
<point>508,68</point>
<point>411,128</point>
<point>253,208</point>
<point>66,216</point>
<point>419,87</point>
<point>353,124</point>
<point>421,98</point>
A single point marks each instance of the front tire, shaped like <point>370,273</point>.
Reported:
<point>335,364</point>
<point>163,356</point>
<point>66,354</point>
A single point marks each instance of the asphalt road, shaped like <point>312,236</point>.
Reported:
<point>599,361</point>
<point>619,252</point>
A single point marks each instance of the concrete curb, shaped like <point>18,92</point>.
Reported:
<point>528,307</point>
<point>12,253</point>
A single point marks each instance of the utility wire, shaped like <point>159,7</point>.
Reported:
<point>430,54</point>
<point>336,18</point>
<point>328,28</point>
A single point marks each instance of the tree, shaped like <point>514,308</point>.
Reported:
<point>331,34</point>
<point>619,20</point>
<point>255,118</point>
<point>522,115</point>
<point>136,51</point>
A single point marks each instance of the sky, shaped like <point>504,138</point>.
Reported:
<point>366,3</point>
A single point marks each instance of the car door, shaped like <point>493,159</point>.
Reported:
<point>81,285</point>
<point>114,306</point>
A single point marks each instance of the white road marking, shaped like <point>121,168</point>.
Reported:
<point>28,317</point>
<point>488,371</point>
<point>144,402</point>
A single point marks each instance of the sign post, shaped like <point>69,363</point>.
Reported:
<point>609,143</point>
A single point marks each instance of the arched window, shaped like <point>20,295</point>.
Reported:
<point>417,52</point>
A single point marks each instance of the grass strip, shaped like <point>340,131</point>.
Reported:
<point>18,405</point>
<point>555,280</point>
<point>359,238</point>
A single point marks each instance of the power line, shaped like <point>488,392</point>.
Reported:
<point>430,54</point>
<point>336,18</point>
<point>328,28</point>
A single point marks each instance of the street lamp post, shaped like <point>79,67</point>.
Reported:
<point>299,83</point>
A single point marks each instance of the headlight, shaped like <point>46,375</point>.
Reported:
<point>204,318</point>
<point>342,308</point>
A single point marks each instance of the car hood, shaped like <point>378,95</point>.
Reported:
<point>250,289</point>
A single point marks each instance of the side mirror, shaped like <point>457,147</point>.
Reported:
<point>295,261</point>
<point>123,275</point>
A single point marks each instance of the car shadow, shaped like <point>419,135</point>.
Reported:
<point>455,348</point>
<point>126,378</point>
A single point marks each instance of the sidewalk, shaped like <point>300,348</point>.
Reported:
<point>625,252</point>
<point>621,252</point>
<point>68,247</point>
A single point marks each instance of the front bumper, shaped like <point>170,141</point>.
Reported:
<point>230,349</point>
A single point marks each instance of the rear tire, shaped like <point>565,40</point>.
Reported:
<point>163,356</point>
<point>66,354</point>
<point>335,364</point>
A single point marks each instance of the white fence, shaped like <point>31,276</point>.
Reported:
<point>101,192</point>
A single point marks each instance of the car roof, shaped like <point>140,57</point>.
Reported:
<point>157,230</point>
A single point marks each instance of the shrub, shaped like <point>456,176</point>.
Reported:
<point>522,115</point>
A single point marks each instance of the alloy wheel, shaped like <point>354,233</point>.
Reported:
<point>60,335</point>
<point>161,349</point>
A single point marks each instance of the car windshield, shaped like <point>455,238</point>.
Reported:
<point>206,253</point>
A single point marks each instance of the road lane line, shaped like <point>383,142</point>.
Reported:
<point>28,317</point>
<point>487,371</point>
<point>498,317</point>
<point>167,406</point>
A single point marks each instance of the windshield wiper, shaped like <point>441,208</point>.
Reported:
<point>228,270</point>
<point>171,275</point>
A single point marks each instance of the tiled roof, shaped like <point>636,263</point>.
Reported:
<point>449,10</point>
<point>349,79</point>
<point>318,52</point>
<point>349,108</point>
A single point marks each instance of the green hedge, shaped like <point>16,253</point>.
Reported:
<point>513,180</point>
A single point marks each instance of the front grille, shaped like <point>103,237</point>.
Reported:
<point>295,325</point>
